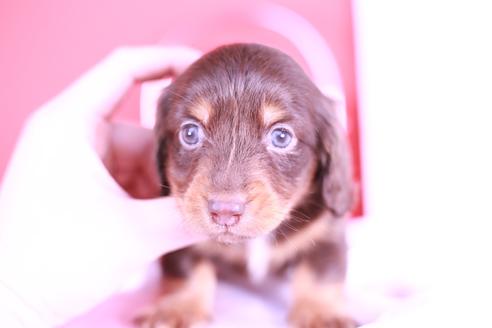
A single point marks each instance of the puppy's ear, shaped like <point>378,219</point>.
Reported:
<point>161,141</point>
<point>335,160</point>
<point>161,166</point>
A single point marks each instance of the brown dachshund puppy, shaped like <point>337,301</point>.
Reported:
<point>252,151</point>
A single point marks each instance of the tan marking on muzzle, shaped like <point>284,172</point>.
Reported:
<point>267,208</point>
<point>193,203</point>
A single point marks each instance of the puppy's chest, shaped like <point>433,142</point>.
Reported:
<point>253,258</point>
<point>266,255</point>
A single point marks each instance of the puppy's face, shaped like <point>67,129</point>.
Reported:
<point>240,141</point>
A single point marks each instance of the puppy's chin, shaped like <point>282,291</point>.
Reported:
<point>239,234</point>
<point>230,238</point>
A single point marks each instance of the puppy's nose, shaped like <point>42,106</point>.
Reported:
<point>226,213</point>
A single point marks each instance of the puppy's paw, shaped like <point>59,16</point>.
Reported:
<point>174,313</point>
<point>310,314</point>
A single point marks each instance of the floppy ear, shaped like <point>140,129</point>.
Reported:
<point>161,166</point>
<point>335,160</point>
<point>161,141</point>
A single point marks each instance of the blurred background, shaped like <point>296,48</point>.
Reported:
<point>416,78</point>
<point>46,45</point>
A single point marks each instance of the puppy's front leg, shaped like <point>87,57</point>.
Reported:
<point>317,287</point>
<point>186,302</point>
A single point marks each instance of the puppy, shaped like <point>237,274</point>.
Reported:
<point>253,153</point>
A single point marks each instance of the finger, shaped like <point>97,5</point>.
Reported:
<point>161,226</point>
<point>97,92</point>
<point>150,92</point>
<point>127,143</point>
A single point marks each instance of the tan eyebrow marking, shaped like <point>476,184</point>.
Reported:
<point>272,114</point>
<point>201,110</point>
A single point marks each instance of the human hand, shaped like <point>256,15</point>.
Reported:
<point>70,235</point>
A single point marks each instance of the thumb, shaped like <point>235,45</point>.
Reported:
<point>160,226</point>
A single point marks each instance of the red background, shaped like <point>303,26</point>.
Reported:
<point>47,44</point>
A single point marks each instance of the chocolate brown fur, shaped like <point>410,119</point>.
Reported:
<point>236,94</point>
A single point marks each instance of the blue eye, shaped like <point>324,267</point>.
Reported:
<point>191,135</point>
<point>281,137</point>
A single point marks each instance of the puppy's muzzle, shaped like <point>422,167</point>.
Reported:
<point>226,212</point>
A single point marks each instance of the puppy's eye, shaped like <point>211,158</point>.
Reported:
<point>191,135</point>
<point>281,137</point>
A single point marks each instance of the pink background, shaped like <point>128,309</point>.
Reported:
<point>46,45</point>
<point>427,181</point>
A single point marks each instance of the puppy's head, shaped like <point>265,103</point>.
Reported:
<point>244,136</point>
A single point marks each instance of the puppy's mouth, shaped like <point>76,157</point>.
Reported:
<point>226,236</point>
